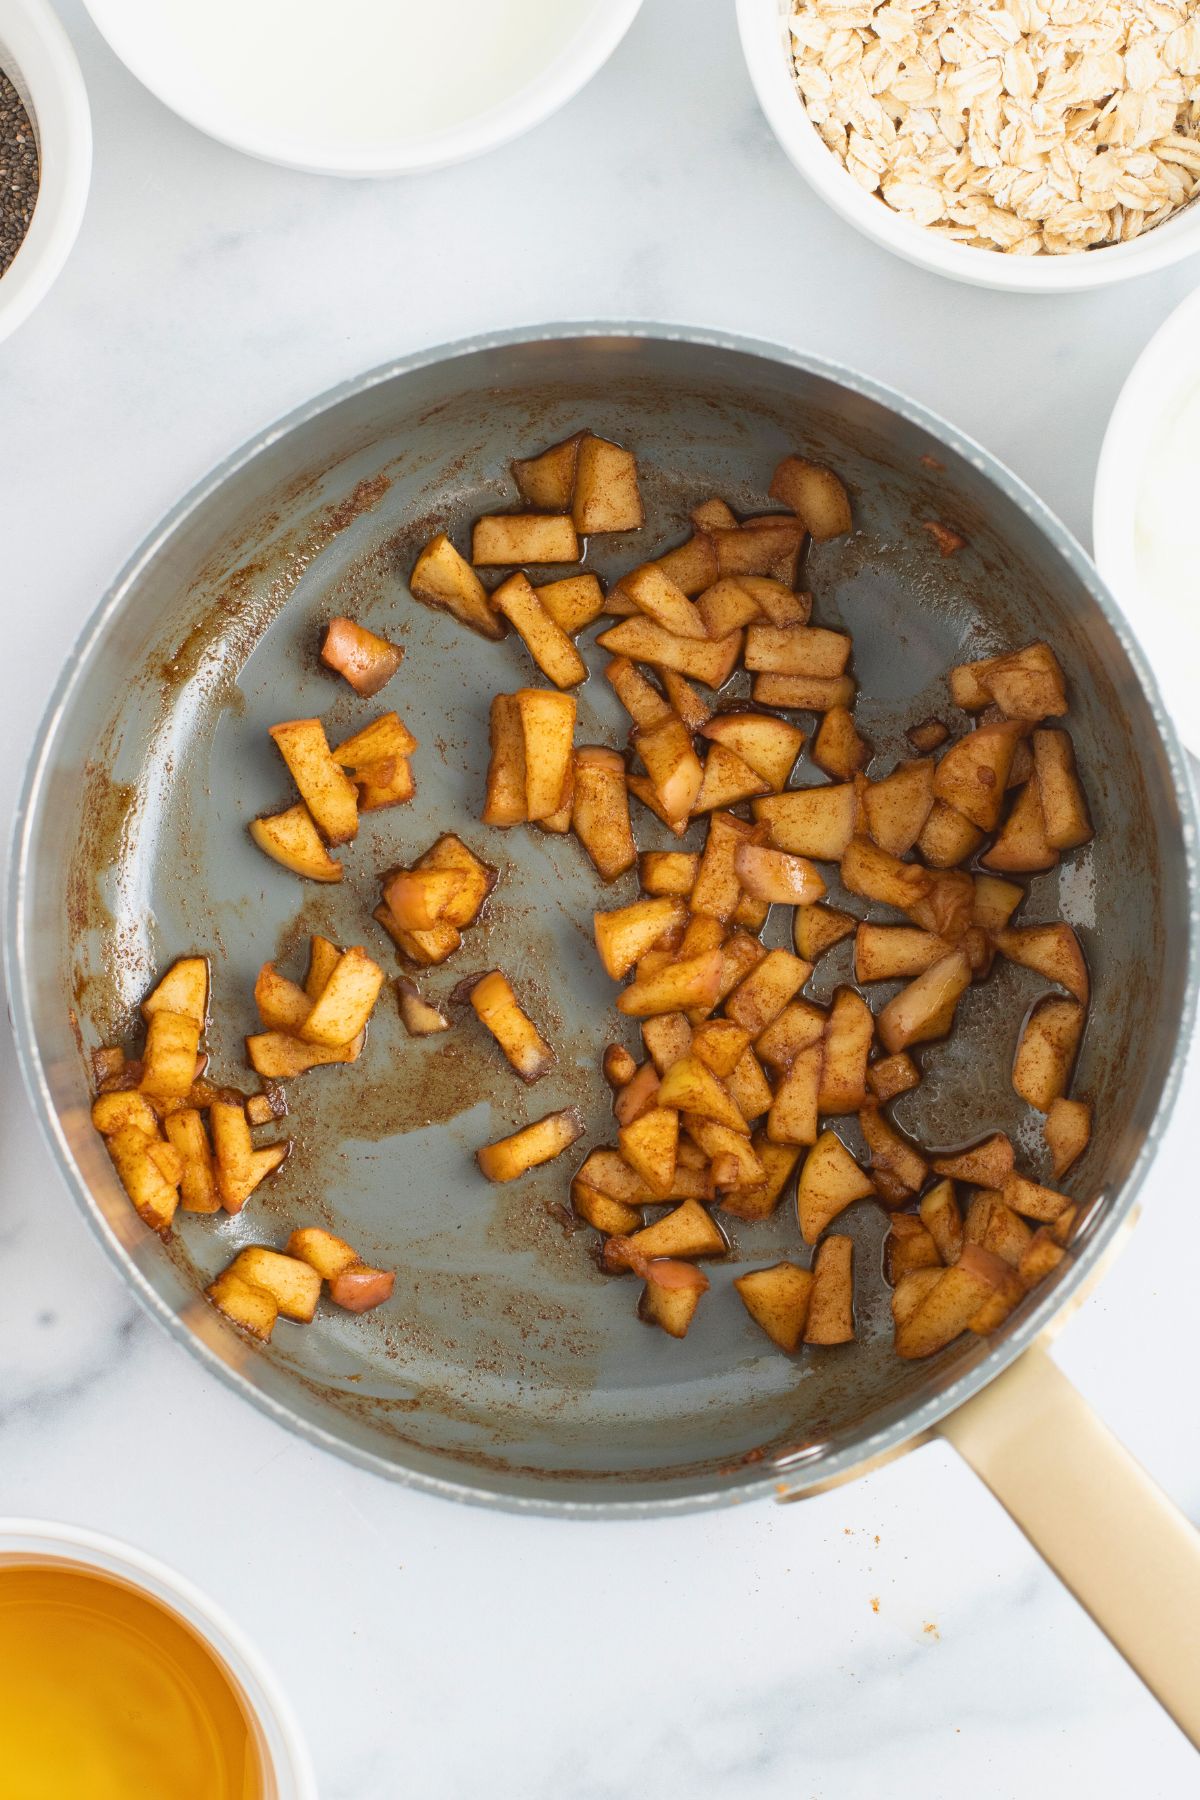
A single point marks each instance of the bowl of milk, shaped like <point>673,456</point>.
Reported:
<point>364,87</point>
<point>1146,510</point>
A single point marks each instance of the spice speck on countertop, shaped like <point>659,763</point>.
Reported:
<point>18,172</point>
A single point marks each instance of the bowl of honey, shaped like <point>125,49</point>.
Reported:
<point>121,1678</point>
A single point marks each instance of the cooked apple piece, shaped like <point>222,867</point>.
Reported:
<point>291,838</point>
<point>929,735</point>
<point>898,806</point>
<point>689,1086</point>
<point>702,933</point>
<point>240,1167</point>
<point>1067,1131</point>
<point>987,1164</point>
<point>109,1060</point>
<point>766,990</point>
<point>672,765</point>
<point>361,1288</point>
<point>925,1008</point>
<point>330,1256</point>
<point>726,606</point>
<point>994,1226</point>
<point>691,706</point>
<point>441,577</point>
<point>449,852</point>
<point>282,1004</point>
<point>1046,1051</point>
<point>687,1231</point>
<point>505,803</point>
<point>166,1160</point>
<point>838,748</point>
<point>692,566</point>
<point>637,1095</point>
<point>720,1044</point>
<point>797,650</point>
<point>908,1246</point>
<point>892,1075</point>
<point>1041,1258</point>
<point>500,538</point>
<point>817,929</point>
<point>942,1219</point>
<point>817,822</point>
<point>649,1145</point>
<point>1007,1294</point>
<point>815,494</point>
<point>155,1199</point>
<point>946,907</point>
<point>418,899</point>
<point>265,1108</point>
<point>375,757</point>
<point>776,876</point>
<point>734,1163</point>
<point>573,603</point>
<point>613,1217</point>
<point>671,1294</point>
<point>294,1285</point>
<point>421,1018</point>
<point>547,726</point>
<point>498,1009</point>
<point>897,1169</point>
<point>727,781</point>
<point>995,902</point>
<point>713,513</point>
<point>1064,807</point>
<point>627,932</point>
<point>245,1304</point>
<point>667,1038</point>
<point>619,1066</point>
<point>545,640</point>
<point>831,1300</point>
<point>169,1058</point>
<point>657,596</point>
<point>610,1175</point>
<point>803,693</point>
<point>606,496</point>
<point>326,790</point>
<point>750,912</point>
<point>797,1027</point>
<point>966,689</point>
<point>777,601</point>
<point>1028,684</point>
<point>777,1300</point>
<point>1022,847</point>
<point>848,1039</point>
<point>710,660</point>
<point>1052,950</point>
<point>739,954</point>
<point>878,875</point>
<point>278,1056</point>
<point>749,1088</point>
<point>198,1186</point>
<point>946,838</point>
<point>894,952</point>
<point>1032,1200</point>
<point>547,482</point>
<point>346,1002</point>
<point>643,789</point>
<point>531,1146</point>
<point>952,1301</point>
<point>384,784</point>
<point>182,990</point>
<point>668,872</point>
<point>766,546</point>
<point>760,1200</point>
<point>767,745</point>
<point>910,1291</point>
<point>425,948</point>
<point>122,1108</point>
<point>973,774</point>
<point>366,661</point>
<point>716,890</point>
<point>794,1114</point>
<point>830,1181</point>
<point>1022,762</point>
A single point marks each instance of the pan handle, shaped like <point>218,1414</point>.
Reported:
<point>1126,1552</point>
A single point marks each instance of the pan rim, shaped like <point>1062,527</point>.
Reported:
<point>896,1426</point>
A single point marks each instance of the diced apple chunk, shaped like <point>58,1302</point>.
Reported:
<point>1067,1130</point>
<point>831,1300</point>
<point>247,1305</point>
<point>606,495</point>
<point>366,660</point>
<point>838,748</point>
<point>777,1299</point>
<point>671,1294</point>
<point>442,577</point>
<point>547,482</point>
<point>294,1285</point>
<point>830,1181</point>
<point>326,790</point>
<point>292,839</point>
<point>535,1144</point>
<point>1046,1051</point>
<point>502,538</point>
<point>498,1009</point>
<point>815,494</point>
<point>546,641</point>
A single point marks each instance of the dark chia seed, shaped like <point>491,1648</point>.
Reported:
<point>18,172</point>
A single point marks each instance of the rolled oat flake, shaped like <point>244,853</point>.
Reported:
<point>18,172</point>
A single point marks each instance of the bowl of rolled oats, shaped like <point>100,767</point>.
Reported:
<point>1036,145</point>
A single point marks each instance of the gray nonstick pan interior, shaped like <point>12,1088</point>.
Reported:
<point>507,1364</point>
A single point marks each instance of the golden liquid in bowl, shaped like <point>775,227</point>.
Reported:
<point>106,1695</point>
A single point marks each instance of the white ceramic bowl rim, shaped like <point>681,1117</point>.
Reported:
<point>287,1755</point>
<point>36,54</point>
<point>766,47</point>
<point>599,33</point>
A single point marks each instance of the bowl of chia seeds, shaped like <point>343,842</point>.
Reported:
<point>45,155</point>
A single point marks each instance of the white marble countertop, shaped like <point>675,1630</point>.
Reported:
<point>437,1650</point>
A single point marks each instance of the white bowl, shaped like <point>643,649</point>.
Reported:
<point>281,1743</point>
<point>36,55</point>
<point>1164,379</point>
<point>766,45</point>
<point>141,34</point>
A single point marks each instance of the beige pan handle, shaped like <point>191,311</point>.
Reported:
<point>1126,1553</point>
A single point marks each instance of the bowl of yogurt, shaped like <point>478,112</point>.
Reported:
<point>1146,510</point>
<point>368,87</point>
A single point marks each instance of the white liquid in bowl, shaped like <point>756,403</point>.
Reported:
<point>365,74</point>
<point>1167,551</point>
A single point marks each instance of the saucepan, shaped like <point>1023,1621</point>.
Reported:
<point>508,1368</point>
